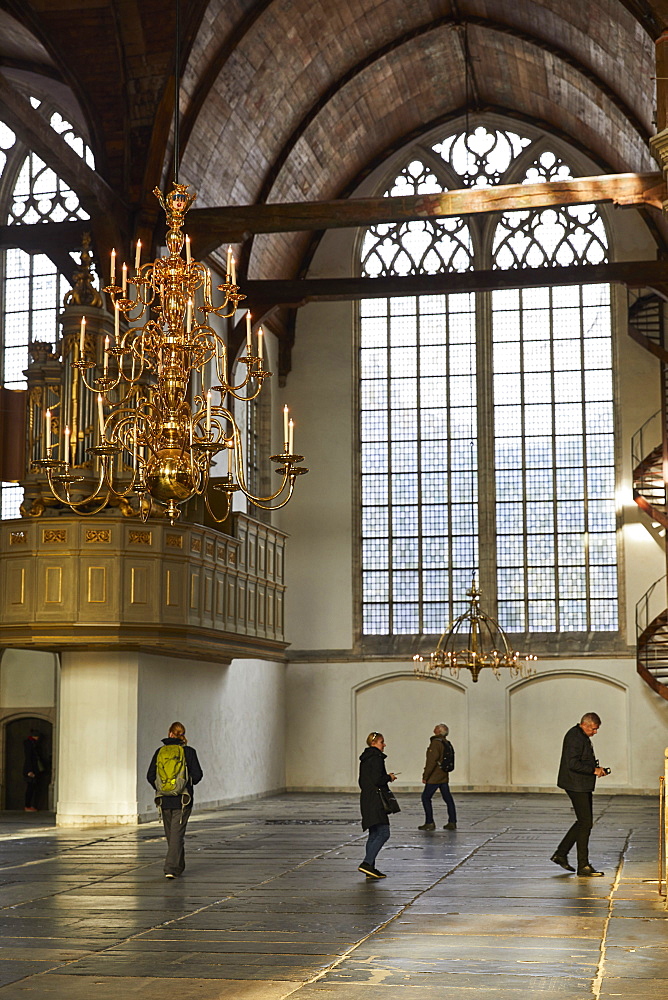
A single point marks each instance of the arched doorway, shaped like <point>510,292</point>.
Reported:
<point>17,732</point>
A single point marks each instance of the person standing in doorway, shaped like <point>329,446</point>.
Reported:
<point>440,761</point>
<point>372,778</point>
<point>33,769</point>
<point>174,769</point>
<point>578,771</point>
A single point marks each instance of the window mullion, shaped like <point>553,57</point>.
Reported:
<point>487,562</point>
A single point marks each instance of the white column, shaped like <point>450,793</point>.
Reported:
<point>97,739</point>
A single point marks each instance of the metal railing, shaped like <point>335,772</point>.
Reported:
<point>647,316</point>
<point>646,439</point>
<point>651,605</point>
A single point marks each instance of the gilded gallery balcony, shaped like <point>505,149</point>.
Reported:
<point>186,590</point>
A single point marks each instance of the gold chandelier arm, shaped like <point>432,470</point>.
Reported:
<point>233,390</point>
<point>266,506</point>
<point>91,513</point>
<point>228,503</point>
<point>75,504</point>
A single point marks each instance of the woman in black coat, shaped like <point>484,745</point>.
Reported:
<point>374,818</point>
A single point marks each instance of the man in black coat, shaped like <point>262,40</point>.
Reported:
<point>176,809</point>
<point>578,771</point>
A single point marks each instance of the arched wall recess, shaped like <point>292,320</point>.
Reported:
<point>406,709</point>
<point>539,718</point>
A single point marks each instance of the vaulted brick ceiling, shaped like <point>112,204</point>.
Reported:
<point>288,100</point>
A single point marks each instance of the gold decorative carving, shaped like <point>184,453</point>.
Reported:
<point>18,538</point>
<point>54,535</point>
<point>83,293</point>
<point>141,538</point>
<point>209,548</point>
<point>195,544</point>
<point>98,535</point>
<point>175,541</point>
<point>232,557</point>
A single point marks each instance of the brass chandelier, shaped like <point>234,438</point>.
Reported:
<point>472,642</point>
<point>157,420</point>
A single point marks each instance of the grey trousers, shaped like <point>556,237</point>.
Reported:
<point>175,822</point>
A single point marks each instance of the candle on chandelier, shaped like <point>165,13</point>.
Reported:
<point>249,334</point>
<point>233,270</point>
<point>82,337</point>
<point>112,275</point>
<point>286,412</point>
<point>208,412</point>
<point>228,268</point>
<point>67,446</point>
<point>106,357</point>
<point>230,452</point>
<point>189,316</point>
<point>291,437</point>
<point>124,286</point>
<point>117,322</point>
<point>187,250</point>
<point>47,422</point>
<point>260,343</point>
<point>137,255</point>
<point>100,414</point>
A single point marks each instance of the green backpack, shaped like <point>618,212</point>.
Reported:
<point>171,775</point>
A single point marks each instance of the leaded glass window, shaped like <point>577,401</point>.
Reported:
<point>33,289</point>
<point>524,376</point>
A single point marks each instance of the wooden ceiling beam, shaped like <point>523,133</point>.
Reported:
<point>264,296</point>
<point>209,228</point>
<point>54,239</point>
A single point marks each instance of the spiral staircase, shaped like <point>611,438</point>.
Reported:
<point>648,325</point>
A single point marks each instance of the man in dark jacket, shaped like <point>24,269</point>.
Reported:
<point>176,809</point>
<point>578,771</point>
<point>436,776</point>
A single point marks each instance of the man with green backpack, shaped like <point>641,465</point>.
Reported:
<point>173,771</point>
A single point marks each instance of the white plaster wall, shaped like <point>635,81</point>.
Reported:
<point>507,733</point>
<point>97,743</point>
<point>234,717</point>
<point>27,679</point>
<point>319,517</point>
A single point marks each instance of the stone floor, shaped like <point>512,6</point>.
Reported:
<point>272,905</point>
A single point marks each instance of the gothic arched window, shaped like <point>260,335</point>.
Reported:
<point>33,288</point>
<point>486,419</point>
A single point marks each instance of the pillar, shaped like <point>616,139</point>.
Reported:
<point>97,738</point>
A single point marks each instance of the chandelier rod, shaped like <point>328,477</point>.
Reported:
<point>177,110</point>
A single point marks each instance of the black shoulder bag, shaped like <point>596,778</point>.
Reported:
<point>388,800</point>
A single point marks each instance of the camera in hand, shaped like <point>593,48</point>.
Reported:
<point>606,770</point>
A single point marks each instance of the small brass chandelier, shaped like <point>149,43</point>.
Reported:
<point>471,642</point>
<point>157,420</point>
